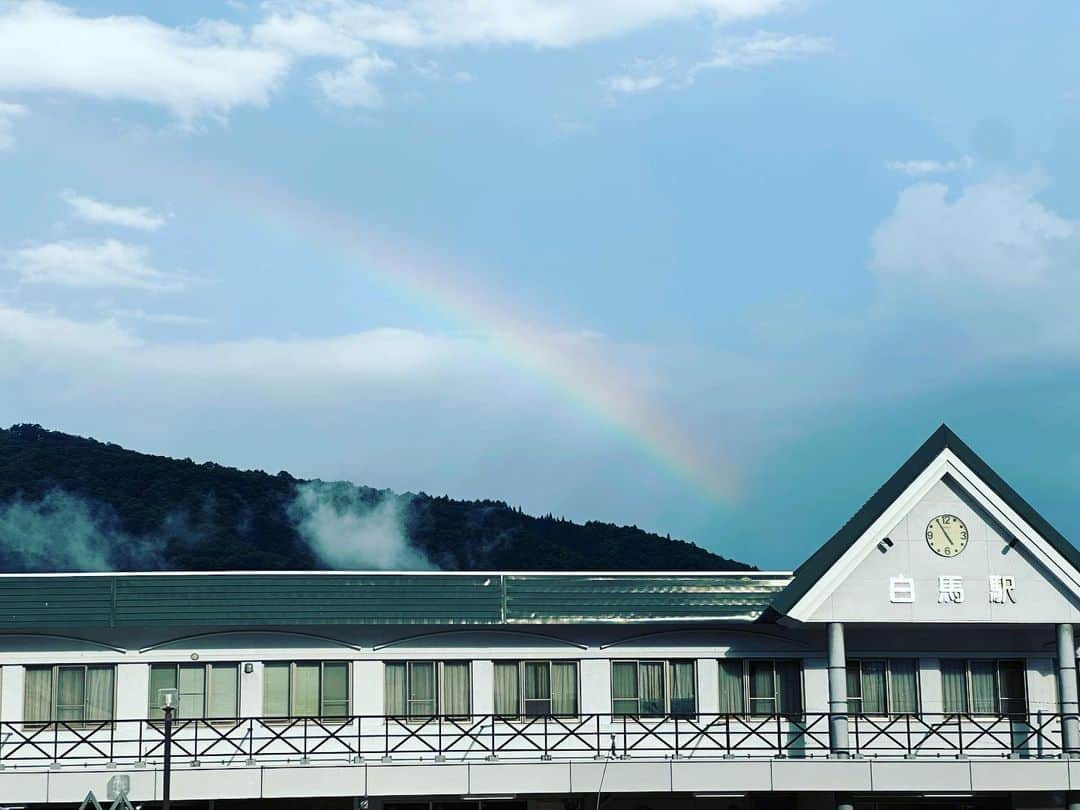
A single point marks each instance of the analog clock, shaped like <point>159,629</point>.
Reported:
<point>946,535</point>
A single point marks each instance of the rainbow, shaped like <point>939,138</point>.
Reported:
<point>520,342</point>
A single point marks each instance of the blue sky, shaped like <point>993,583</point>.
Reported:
<point>781,240</point>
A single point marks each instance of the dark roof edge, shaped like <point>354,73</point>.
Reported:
<point>941,439</point>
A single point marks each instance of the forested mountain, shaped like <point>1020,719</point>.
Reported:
<point>72,503</point>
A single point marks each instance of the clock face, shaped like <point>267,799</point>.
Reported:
<point>946,535</point>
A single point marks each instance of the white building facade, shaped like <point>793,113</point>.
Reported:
<point>924,655</point>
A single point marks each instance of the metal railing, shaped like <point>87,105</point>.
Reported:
<point>250,741</point>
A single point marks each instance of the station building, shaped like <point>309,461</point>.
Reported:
<point>924,655</point>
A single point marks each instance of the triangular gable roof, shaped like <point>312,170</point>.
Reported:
<point>815,567</point>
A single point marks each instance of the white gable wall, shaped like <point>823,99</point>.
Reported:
<point>863,595</point>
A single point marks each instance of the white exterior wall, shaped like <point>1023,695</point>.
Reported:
<point>132,691</point>
<point>595,686</point>
<point>930,685</point>
<point>277,770</point>
<point>12,680</point>
<point>251,689</point>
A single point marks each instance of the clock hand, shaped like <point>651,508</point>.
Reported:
<point>945,532</point>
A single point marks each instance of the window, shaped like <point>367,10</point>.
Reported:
<point>653,688</point>
<point>880,686</point>
<point>204,691</point>
<point>760,686</point>
<point>536,688</point>
<point>70,694</point>
<point>425,688</point>
<point>306,689</point>
<point>983,687</point>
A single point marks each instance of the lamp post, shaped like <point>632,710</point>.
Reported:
<point>167,709</point>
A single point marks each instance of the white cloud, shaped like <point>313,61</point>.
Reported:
<point>207,70</point>
<point>91,210</point>
<point>164,318</point>
<point>917,168</point>
<point>755,51</point>
<point>108,263</point>
<point>761,49</point>
<point>430,69</point>
<point>8,113</point>
<point>350,29</point>
<point>387,353</point>
<point>325,26</point>
<point>992,239</point>
<point>632,85</point>
<point>213,67</point>
<point>352,85</point>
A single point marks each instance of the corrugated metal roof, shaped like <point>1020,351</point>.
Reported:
<point>639,598</point>
<point>332,598</point>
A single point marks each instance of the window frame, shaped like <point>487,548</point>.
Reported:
<point>890,710</point>
<point>521,699</point>
<point>439,698</point>
<point>293,664</point>
<point>747,710</point>
<point>969,691</point>
<point>54,686</point>
<point>208,669</point>
<point>668,665</point>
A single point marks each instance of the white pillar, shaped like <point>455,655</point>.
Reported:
<point>1066,655</point>
<point>838,720</point>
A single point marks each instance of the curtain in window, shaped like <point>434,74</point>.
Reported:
<point>276,690</point>
<point>789,687</point>
<point>873,687</point>
<point>192,686</point>
<point>162,677</point>
<point>624,687</point>
<point>651,677</point>
<point>731,686</point>
<point>456,688</point>
<point>984,687</point>
<point>305,690</point>
<point>421,688</point>
<point>564,688</point>
<point>506,688</point>
<point>854,687</point>
<point>224,691</point>
<point>1011,687</point>
<point>70,694</point>
<point>335,689</point>
<point>38,705</point>
<point>953,687</point>
<point>904,693</point>
<point>762,687</point>
<point>99,693</point>
<point>537,688</point>
<point>683,689</point>
<point>394,688</point>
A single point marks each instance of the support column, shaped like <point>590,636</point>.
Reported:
<point>838,718</point>
<point>1070,723</point>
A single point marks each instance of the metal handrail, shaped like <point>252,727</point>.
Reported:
<point>257,740</point>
